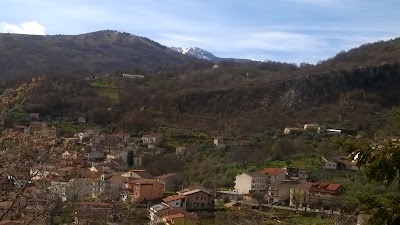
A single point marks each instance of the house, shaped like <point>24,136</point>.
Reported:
<point>112,143</point>
<point>279,192</point>
<point>171,181</point>
<point>100,168</point>
<point>138,160</point>
<point>114,155</point>
<point>110,185</point>
<point>180,219</point>
<point>198,199</point>
<point>137,156</point>
<point>181,150</point>
<point>137,174</point>
<point>176,201</point>
<point>249,182</point>
<point>344,163</point>
<point>37,127</point>
<point>144,189</point>
<point>21,129</point>
<point>19,179</point>
<point>119,165</point>
<point>300,173</point>
<point>97,139</point>
<point>154,212</point>
<point>292,130</point>
<point>94,155</point>
<point>152,140</point>
<point>311,126</point>
<point>299,195</point>
<point>164,214</point>
<point>215,66</point>
<point>219,141</point>
<point>59,189</point>
<point>133,76</point>
<point>125,137</point>
<point>231,195</point>
<point>81,120</point>
<point>325,194</point>
<point>329,164</point>
<point>274,174</point>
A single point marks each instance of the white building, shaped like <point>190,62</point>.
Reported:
<point>311,126</point>
<point>133,76</point>
<point>176,201</point>
<point>330,165</point>
<point>249,182</point>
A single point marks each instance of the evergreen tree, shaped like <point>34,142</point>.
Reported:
<point>129,158</point>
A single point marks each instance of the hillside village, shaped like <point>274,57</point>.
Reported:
<point>205,144</point>
<point>108,167</point>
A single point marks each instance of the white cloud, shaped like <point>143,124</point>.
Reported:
<point>31,27</point>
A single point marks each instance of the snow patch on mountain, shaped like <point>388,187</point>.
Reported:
<point>196,52</point>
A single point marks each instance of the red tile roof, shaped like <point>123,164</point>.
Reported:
<point>272,171</point>
<point>175,211</point>
<point>325,187</point>
<point>173,198</point>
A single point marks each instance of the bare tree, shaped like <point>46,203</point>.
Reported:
<point>24,159</point>
<point>259,197</point>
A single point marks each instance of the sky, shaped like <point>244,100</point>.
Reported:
<point>291,31</point>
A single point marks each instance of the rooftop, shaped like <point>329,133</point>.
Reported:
<point>272,171</point>
<point>255,174</point>
<point>173,198</point>
<point>194,191</point>
<point>325,187</point>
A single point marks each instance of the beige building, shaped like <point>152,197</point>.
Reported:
<point>198,199</point>
<point>37,127</point>
<point>299,195</point>
<point>292,130</point>
<point>249,182</point>
<point>311,126</point>
<point>280,191</point>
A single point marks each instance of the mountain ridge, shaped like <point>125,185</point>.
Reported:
<point>100,51</point>
<point>206,55</point>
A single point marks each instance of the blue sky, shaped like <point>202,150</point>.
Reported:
<point>281,30</point>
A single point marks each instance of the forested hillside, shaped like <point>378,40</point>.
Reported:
<point>212,100</point>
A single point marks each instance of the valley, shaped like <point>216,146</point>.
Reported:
<point>146,130</point>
